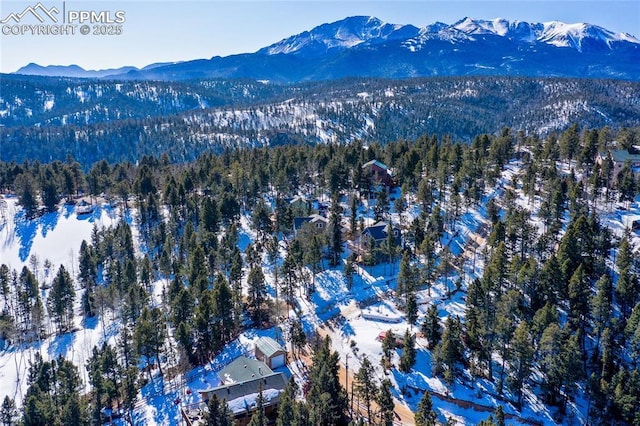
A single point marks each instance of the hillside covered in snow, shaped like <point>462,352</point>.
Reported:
<point>419,282</point>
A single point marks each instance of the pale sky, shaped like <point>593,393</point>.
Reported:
<point>165,31</point>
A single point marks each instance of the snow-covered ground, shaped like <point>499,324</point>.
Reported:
<point>55,237</point>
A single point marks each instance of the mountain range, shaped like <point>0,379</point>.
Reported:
<point>79,72</point>
<point>362,46</point>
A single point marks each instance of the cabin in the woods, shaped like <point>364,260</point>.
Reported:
<point>317,222</point>
<point>379,173</point>
<point>620,157</point>
<point>242,381</point>
<point>372,237</point>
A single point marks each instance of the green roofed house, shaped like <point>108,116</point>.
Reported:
<point>619,157</point>
<point>243,379</point>
<point>270,352</point>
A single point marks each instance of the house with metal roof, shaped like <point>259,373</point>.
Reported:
<point>270,352</point>
<point>243,369</point>
<point>243,380</point>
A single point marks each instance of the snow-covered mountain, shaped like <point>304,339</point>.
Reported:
<point>555,33</point>
<point>365,46</point>
<point>343,34</point>
<point>370,31</point>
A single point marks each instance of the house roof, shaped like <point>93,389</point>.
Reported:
<point>377,231</point>
<point>241,397</point>
<point>375,162</point>
<point>269,346</point>
<point>299,221</point>
<point>298,199</point>
<point>243,369</point>
<point>623,155</point>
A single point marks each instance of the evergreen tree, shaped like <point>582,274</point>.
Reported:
<point>26,189</point>
<point>210,215</point>
<point>257,296</point>
<point>52,397</point>
<point>218,413</point>
<point>49,192</point>
<point>628,286</point>
<point>407,286</point>
<point>335,232</point>
<point>431,328</point>
<point>60,300</point>
<point>632,333</point>
<point>223,308</point>
<point>388,346</point>
<point>601,305</point>
<point>626,183</point>
<point>386,404</point>
<point>206,327</point>
<point>579,296</point>
<point>570,142</point>
<point>408,357</point>
<point>259,418</point>
<point>365,386</point>
<point>499,416</point>
<point>449,351</point>
<point>425,415</point>
<point>75,412</point>
<point>298,336</point>
<point>288,410</point>
<point>8,412</point>
<point>521,360</point>
<point>327,398</point>
<point>149,336</point>
<point>5,289</point>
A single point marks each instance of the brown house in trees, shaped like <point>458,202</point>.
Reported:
<point>379,173</point>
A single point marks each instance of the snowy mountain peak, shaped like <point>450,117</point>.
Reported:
<point>573,35</point>
<point>346,33</point>
<point>557,33</point>
<point>368,31</point>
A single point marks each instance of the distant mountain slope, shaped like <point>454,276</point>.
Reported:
<point>367,47</point>
<point>70,71</point>
<point>371,110</point>
<point>47,101</point>
<point>79,72</point>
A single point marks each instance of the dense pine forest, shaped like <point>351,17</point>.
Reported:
<point>548,294</point>
<point>47,119</point>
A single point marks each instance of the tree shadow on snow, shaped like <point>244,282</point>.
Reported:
<point>48,222</point>
<point>61,345</point>
<point>26,231</point>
